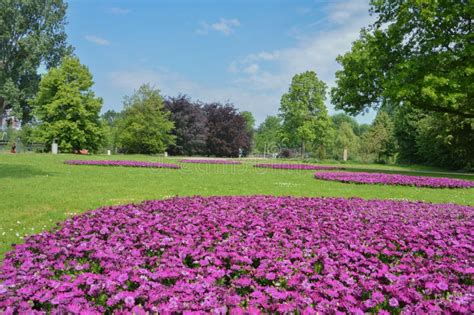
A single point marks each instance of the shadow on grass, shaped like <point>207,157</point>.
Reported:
<point>21,171</point>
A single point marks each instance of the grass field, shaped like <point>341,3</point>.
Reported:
<point>39,190</point>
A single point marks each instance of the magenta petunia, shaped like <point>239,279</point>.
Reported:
<point>129,301</point>
<point>442,285</point>
<point>122,163</point>
<point>296,166</point>
<point>250,255</point>
<point>209,161</point>
<point>394,179</point>
<point>393,302</point>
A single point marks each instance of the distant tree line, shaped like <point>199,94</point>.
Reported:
<point>414,65</point>
<point>66,110</point>
<point>150,124</point>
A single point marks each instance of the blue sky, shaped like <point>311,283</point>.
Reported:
<point>243,51</point>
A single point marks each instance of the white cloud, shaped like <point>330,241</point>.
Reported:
<point>117,10</point>
<point>97,40</point>
<point>303,10</point>
<point>224,26</point>
<point>168,82</point>
<point>264,55</point>
<point>314,51</point>
<point>341,11</point>
<point>260,78</point>
<point>252,69</point>
<point>172,84</point>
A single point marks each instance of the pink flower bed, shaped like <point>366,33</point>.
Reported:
<point>394,179</point>
<point>248,254</point>
<point>296,166</point>
<point>209,161</point>
<point>122,163</point>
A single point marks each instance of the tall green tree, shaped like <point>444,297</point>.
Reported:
<point>267,137</point>
<point>445,140</point>
<point>406,127</point>
<point>250,127</point>
<point>31,34</point>
<point>304,114</point>
<point>249,120</point>
<point>435,139</point>
<point>346,140</point>
<point>341,118</point>
<point>110,120</point>
<point>145,126</point>
<point>67,108</point>
<point>417,54</point>
<point>380,139</point>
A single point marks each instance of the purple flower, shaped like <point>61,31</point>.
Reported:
<point>270,276</point>
<point>442,285</point>
<point>201,255</point>
<point>129,301</point>
<point>370,303</point>
<point>394,179</point>
<point>296,166</point>
<point>122,163</point>
<point>74,308</point>
<point>208,161</point>
<point>243,282</point>
<point>393,302</point>
<point>378,297</point>
<point>237,311</point>
<point>123,277</point>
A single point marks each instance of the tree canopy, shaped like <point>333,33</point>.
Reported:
<point>304,114</point>
<point>249,120</point>
<point>346,139</point>
<point>417,54</point>
<point>67,108</point>
<point>190,124</point>
<point>267,137</point>
<point>227,130</point>
<point>31,34</point>
<point>145,126</point>
<point>380,138</point>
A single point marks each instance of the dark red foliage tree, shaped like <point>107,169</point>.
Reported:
<point>190,126</point>
<point>228,131</point>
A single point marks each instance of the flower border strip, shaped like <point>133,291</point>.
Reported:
<point>394,179</point>
<point>205,161</point>
<point>296,166</point>
<point>122,163</point>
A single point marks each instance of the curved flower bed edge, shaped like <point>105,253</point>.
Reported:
<point>125,163</point>
<point>394,179</point>
<point>209,161</point>
<point>290,166</point>
<point>248,254</point>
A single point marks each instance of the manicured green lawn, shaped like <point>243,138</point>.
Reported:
<point>39,190</point>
